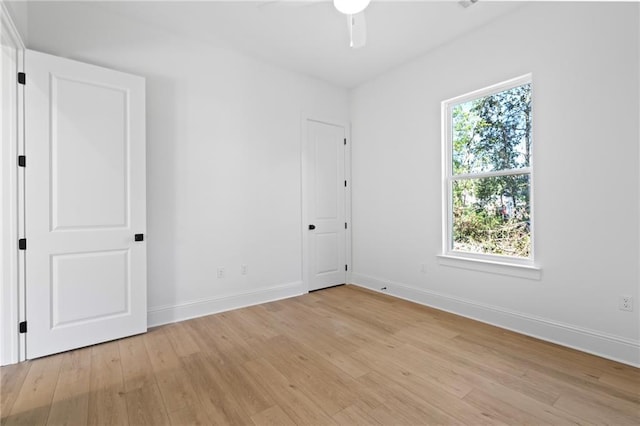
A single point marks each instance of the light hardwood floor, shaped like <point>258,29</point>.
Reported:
<point>339,356</point>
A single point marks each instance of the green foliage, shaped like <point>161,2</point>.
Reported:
<point>493,133</point>
<point>475,231</point>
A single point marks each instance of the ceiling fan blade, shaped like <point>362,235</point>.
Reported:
<point>357,30</point>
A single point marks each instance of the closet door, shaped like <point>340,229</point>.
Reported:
<point>85,204</point>
<point>326,195</point>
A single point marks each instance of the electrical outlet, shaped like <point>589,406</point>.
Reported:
<point>220,272</point>
<point>243,269</point>
<point>626,303</point>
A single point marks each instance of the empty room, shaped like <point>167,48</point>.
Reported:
<point>320,212</point>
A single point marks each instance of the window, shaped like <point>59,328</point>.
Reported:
<point>487,174</point>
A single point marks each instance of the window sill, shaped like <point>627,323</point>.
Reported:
<point>489,266</point>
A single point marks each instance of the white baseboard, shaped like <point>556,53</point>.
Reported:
<point>168,314</point>
<point>608,346</point>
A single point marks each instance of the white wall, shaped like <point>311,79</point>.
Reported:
<point>224,172</point>
<point>223,161</point>
<point>584,59</point>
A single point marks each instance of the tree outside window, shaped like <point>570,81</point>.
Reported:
<point>488,171</point>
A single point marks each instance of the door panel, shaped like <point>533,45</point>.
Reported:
<point>71,272</point>
<point>89,122</point>
<point>327,257</point>
<point>327,188</point>
<point>326,207</point>
<point>85,200</point>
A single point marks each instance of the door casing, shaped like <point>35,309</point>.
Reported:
<point>12,343</point>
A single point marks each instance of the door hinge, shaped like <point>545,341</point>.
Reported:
<point>22,78</point>
<point>346,268</point>
<point>345,225</point>
<point>345,183</point>
<point>22,327</point>
<point>22,161</point>
<point>345,141</point>
<point>22,244</point>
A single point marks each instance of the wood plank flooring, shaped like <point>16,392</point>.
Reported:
<point>343,355</point>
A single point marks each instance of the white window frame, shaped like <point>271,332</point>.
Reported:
<point>492,263</point>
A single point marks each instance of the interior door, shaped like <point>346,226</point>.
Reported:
<point>325,162</point>
<point>84,202</point>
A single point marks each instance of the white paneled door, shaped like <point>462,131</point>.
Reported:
<point>325,195</point>
<point>84,204</point>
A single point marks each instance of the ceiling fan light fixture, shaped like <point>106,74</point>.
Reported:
<point>351,7</point>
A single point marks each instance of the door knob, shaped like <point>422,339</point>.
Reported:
<point>312,227</point>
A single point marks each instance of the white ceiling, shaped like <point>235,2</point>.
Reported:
<point>309,37</point>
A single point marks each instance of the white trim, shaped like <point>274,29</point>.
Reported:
<point>21,207</point>
<point>7,22</point>
<point>12,344</point>
<point>510,267</point>
<point>616,348</point>
<point>347,202</point>
<point>481,175</point>
<point>450,257</point>
<point>173,313</point>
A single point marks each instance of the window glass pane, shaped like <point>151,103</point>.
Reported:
<point>493,132</point>
<point>491,215</point>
